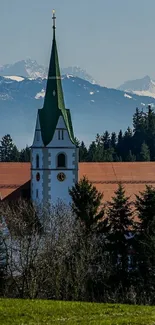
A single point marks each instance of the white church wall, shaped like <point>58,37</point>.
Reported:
<point>37,187</point>
<point>49,188</point>
<point>59,190</point>
<point>65,142</point>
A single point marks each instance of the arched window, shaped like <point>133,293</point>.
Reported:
<point>61,160</point>
<point>37,161</point>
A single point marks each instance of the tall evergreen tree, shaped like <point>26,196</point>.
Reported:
<point>15,154</point>
<point>139,129</point>
<point>25,155</point>
<point>87,202</point>
<point>83,153</point>
<point>119,147</point>
<point>145,241</point>
<point>113,140</point>
<point>130,157</point>
<point>92,152</point>
<point>144,153</point>
<point>9,151</point>
<point>150,133</point>
<point>145,209</point>
<point>106,140</point>
<point>120,219</point>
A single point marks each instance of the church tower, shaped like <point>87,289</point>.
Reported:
<point>54,154</point>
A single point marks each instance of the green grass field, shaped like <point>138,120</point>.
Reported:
<point>38,312</point>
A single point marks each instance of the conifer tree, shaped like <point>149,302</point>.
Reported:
<point>92,152</point>
<point>120,219</point>
<point>87,203</point>
<point>119,147</point>
<point>83,153</point>
<point>145,152</point>
<point>25,155</point>
<point>106,140</point>
<point>145,240</point>
<point>9,151</point>
<point>130,156</point>
<point>145,208</point>
<point>113,140</point>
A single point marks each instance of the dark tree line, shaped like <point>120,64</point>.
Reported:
<point>91,251</point>
<point>136,144</point>
<point>10,153</point>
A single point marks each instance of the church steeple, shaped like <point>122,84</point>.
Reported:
<point>54,105</point>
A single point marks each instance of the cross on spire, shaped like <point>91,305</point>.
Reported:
<point>54,20</point>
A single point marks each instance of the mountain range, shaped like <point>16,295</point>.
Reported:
<point>142,87</point>
<point>31,69</point>
<point>94,108</point>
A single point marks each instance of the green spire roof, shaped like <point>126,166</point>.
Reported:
<point>54,105</point>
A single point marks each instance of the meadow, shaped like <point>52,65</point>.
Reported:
<point>39,312</point>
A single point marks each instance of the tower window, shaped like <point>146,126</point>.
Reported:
<point>37,161</point>
<point>37,194</point>
<point>61,160</point>
<point>60,134</point>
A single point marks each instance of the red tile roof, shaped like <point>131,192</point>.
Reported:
<point>105,176</point>
<point>13,176</point>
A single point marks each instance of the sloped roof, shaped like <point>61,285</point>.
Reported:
<point>12,177</point>
<point>105,176</point>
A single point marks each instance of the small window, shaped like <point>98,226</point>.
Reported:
<point>37,194</point>
<point>60,134</point>
<point>37,161</point>
<point>61,163</point>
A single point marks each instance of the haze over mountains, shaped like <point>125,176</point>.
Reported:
<point>94,108</point>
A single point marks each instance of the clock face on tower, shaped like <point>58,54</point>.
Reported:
<point>61,177</point>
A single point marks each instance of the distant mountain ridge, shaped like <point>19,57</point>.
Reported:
<point>31,69</point>
<point>142,87</point>
<point>94,109</point>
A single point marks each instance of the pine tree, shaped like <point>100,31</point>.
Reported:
<point>87,203</point>
<point>15,155</point>
<point>25,155</point>
<point>145,152</point>
<point>106,140</point>
<point>119,147</point>
<point>139,129</point>
<point>113,140</point>
<point>92,152</point>
<point>145,240</point>
<point>120,219</point>
<point>145,208</point>
<point>130,156</point>
<point>83,153</point>
<point>7,146</point>
<point>150,132</point>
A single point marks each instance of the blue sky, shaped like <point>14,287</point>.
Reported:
<point>114,40</point>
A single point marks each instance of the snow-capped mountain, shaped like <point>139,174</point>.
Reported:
<point>141,87</point>
<point>31,69</point>
<point>94,108</point>
<point>78,72</point>
<point>25,68</point>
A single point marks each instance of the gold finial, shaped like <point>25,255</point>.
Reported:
<point>54,19</point>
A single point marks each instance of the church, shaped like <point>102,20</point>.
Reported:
<point>55,166</point>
